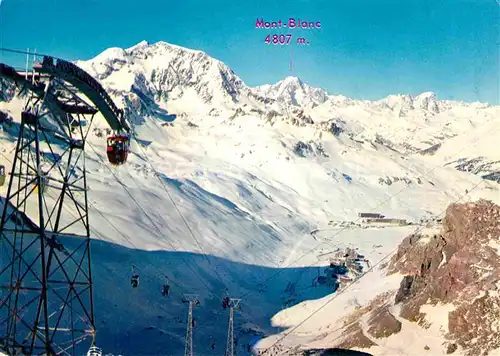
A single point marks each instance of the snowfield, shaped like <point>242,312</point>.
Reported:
<point>247,200</point>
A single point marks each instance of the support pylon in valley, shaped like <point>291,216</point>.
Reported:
<point>191,300</point>
<point>233,304</point>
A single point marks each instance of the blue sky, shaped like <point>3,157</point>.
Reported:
<point>365,49</point>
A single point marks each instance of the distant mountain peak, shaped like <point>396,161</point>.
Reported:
<point>291,80</point>
<point>168,75</point>
<point>293,91</point>
<point>141,44</point>
<point>427,94</point>
<point>403,103</point>
<point>164,72</point>
<point>165,46</point>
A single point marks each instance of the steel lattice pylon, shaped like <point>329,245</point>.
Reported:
<point>46,302</point>
<point>233,304</point>
<point>191,300</point>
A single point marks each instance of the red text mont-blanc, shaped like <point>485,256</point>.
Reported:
<point>291,23</point>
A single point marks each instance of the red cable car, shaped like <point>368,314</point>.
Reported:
<point>118,148</point>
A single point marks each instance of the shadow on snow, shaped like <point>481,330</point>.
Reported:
<point>141,321</point>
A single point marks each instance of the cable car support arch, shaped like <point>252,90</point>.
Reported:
<point>46,296</point>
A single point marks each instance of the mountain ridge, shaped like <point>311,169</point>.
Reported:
<point>190,82</point>
<point>287,81</point>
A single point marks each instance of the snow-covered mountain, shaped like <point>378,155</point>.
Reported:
<point>270,180</point>
<point>293,91</point>
<point>169,73</point>
<point>190,82</point>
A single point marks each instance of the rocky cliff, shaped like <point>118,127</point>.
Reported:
<point>457,266</point>
<point>461,266</point>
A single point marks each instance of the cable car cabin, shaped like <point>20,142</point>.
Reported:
<point>2,175</point>
<point>134,281</point>
<point>118,148</point>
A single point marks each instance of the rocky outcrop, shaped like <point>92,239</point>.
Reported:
<point>383,323</point>
<point>457,264</point>
<point>270,116</point>
<point>431,150</point>
<point>380,322</point>
<point>332,126</point>
<point>291,116</point>
<point>480,165</point>
<point>390,180</point>
<point>304,149</point>
<point>238,112</point>
<point>461,266</point>
<point>353,336</point>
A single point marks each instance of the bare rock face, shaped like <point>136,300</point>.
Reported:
<point>293,116</point>
<point>451,349</point>
<point>477,323</point>
<point>383,323</point>
<point>353,336</point>
<point>457,265</point>
<point>460,265</point>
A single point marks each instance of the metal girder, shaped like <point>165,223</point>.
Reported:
<point>80,79</point>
